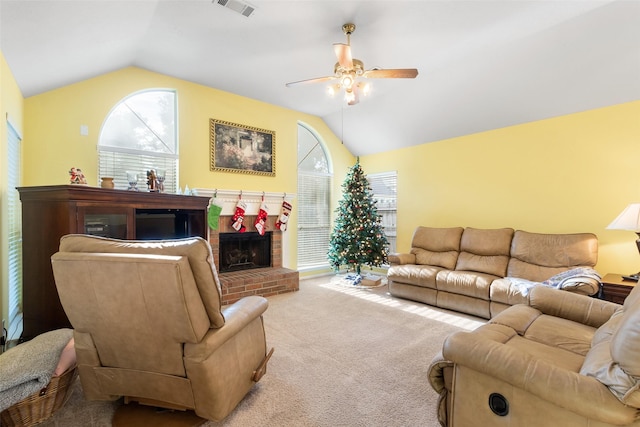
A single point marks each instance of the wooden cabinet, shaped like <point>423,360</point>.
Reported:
<point>615,288</point>
<point>49,212</point>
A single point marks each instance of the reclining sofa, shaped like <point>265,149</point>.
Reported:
<point>565,360</point>
<point>484,271</point>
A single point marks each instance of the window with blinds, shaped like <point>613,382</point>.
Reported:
<point>314,198</point>
<point>14,215</point>
<point>138,135</point>
<point>384,190</point>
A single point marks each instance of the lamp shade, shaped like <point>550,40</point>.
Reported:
<point>629,219</point>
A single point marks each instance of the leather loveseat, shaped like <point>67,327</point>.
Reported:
<point>566,360</point>
<point>484,271</point>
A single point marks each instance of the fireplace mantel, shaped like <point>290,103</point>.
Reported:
<point>229,198</point>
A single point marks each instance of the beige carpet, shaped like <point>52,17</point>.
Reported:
<point>343,357</point>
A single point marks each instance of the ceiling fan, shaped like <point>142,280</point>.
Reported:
<point>348,70</point>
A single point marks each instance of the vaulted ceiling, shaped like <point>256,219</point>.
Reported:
<point>482,64</point>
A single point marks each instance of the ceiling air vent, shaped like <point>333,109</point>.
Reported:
<point>244,9</point>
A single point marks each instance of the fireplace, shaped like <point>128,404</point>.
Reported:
<point>244,251</point>
<point>269,279</point>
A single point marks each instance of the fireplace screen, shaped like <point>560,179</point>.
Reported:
<point>242,251</point>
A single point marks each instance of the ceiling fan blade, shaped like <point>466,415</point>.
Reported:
<point>343,52</point>
<point>397,73</point>
<point>315,80</point>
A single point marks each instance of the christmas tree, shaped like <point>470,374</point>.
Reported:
<point>357,238</point>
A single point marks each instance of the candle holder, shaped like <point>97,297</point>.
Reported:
<point>132,179</point>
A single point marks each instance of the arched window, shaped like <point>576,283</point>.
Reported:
<point>314,198</point>
<point>140,134</point>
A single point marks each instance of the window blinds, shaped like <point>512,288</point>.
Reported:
<point>384,189</point>
<point>14,215</point>
<point>117,162</point>
<point>313,219</point>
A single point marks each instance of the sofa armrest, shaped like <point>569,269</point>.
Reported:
<point>237,316</point>
<point>577,393</point>
<point>440,378</point>
<point>399,258</point>
<point>568,305</point>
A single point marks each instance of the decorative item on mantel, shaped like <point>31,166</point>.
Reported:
<point>160,177</point>
<point>261,220</point>
<point>215,208</point>
<point>238,217</point>
<point>152,181</point>
<point>283,219</point>
<point>77,177</point>
<point>132,179</point>
<point>228,200</point>
<point>107,182</point>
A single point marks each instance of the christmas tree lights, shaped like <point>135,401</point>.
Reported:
<point>357,238</point>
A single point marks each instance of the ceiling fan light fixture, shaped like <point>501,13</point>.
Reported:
<point>365,88</point>
<point>347,81</point>
<point>349,96</point>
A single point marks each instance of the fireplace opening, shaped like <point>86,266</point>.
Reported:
<point>243,251</point>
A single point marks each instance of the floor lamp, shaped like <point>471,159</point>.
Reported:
<point>629,219</point>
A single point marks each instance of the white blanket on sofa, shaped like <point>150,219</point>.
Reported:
<point>563,280</point>
<point>28,367</point>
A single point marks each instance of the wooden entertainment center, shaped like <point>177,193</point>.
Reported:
<point>49,212</point>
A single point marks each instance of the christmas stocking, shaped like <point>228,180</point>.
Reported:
<point>214,214</point>
<point>285,211</point>
<point>261,219</point>
<point>238,217</point>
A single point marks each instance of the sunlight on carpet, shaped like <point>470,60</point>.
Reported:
<point>459,320</point>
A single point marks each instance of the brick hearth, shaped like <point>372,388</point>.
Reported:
<point>259,281</point>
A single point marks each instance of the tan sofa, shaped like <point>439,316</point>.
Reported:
<point>484,271</point>
<point>566,360</point>
<point>149,326</point>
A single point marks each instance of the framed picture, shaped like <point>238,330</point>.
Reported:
<point>244,149</point>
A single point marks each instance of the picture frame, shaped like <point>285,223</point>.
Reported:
<point>242,149</point>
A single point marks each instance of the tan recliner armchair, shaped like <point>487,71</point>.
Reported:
<point>148,324</point>
<point>567,360</point>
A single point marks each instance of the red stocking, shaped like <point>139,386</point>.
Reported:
<point>238,217</point>
<point>261,219</point>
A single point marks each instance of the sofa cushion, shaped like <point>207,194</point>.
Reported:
<point>561,333</point>
<point>485,251</point>
<point>196,249</point>
<point>551,331</point>
<point>504,291</point>
<point>436,246</point>
<point>467,283</point>
<point>418,275</point>
<point>538,257</point>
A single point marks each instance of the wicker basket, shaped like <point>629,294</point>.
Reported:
<point>40,405</point>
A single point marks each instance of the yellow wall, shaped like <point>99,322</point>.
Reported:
<point>53,144</point>
<point>573,173</point>
<point>568,174</point>
<point>11,106</point>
